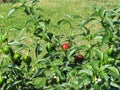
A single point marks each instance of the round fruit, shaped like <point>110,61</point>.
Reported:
<point>110,51</point>
<point>17,56</point>
<point>79,58</point>
<point>6,49</point>
<point>65,46</point>
<point>27,59</point>
<point>1,80</point>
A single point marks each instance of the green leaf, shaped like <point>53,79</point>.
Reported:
<point>88,66</point>
<point>114,70</point>
<point>28,22</point>
<point>72,52</point>
<point>113,75</point>
<point>45,36</point>
<point>104,66</point>
<point>41,24</point>
<point>105,38</point>
<point>82,47</point>
<point>98,37</point>
<point>38,73</point>
<point>16,1</point>
<point>109,22</point>
<point>104,75</point>
<point>16,43</point>
<point>47,22</point>
<point>85,71</point>
<point>11,11</point>
<point>96,87</point>
<point>12,66</point>
<point>95,65</point>
<point>84,22</point>
<point>50,35</point>
<point>99,54</point>
<point>83,81</point>
<point>38,50</point>
<point>118,56</point>
<point>13,84</point>
<point>64,21</point>
<point>115,85</point>
<point>116,22</point>
<point>17,82</point>
<point>38,31</point>
<point>35,2</point>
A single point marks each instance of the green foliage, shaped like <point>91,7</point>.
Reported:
<point>53,66</point>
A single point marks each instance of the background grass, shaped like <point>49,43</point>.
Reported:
<point>54,10</point>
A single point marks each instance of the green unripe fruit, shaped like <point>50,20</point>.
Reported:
<point>6,49</point>
<point>27,59</point>
<point>110,51</point>
<point>17,56</point>
<point>17,59</point>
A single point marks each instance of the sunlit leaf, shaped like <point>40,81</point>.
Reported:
<point>11,12</point>
<point>114,70</point>
<point>95,64</point>
<point>85,71</point>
